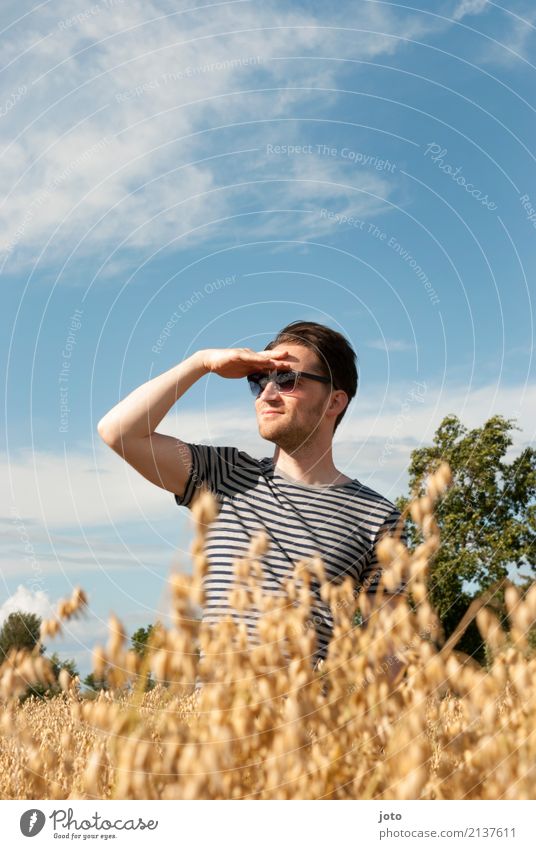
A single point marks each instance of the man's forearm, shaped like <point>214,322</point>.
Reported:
<point>140,413</point>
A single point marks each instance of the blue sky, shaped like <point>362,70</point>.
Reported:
<point>220,170</point>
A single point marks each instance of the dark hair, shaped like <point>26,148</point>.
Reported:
<point>336,356</point>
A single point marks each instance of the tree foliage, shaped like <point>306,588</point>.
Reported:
<point>43,691</point>
<point>20,631</point>
<point>95,684</point>
<point>139,639</point>
<point>487,519</point>
<point>140,643</point>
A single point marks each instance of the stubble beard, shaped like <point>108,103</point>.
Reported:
<point>295,436</point>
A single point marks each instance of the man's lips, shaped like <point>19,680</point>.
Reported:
<point>270,412</point>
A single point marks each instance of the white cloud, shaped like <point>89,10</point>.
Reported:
<point>507,43</point>
<point>512,44</point>
<point>111,124</point>
<point>66,491</point>
<point>50,555</point>
<point>84,627</point>
<point>382,434</point>
<point>470,7</point>
<point>27,601</point>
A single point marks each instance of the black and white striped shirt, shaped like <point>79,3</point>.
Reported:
<point>340,522</point>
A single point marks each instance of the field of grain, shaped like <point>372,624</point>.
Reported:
<point>267,724</point>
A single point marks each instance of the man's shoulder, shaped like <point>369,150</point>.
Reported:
<point>222,469</point>
<point>207,444</point>
<point>379,502</point>
<point>230,454</point>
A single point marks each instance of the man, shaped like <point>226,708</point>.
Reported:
<point>302,383</point>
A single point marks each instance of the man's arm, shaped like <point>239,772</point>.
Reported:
<point>129,427</point>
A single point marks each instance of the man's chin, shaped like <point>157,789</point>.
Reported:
<point>269,426</point>
<point>284,437</point>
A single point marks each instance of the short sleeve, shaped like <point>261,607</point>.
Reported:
<point>212,467</point>
<point>370,577</point>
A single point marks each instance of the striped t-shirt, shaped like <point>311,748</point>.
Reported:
<point>340,522</point>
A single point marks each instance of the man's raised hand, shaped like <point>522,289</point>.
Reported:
<point>239,362</point>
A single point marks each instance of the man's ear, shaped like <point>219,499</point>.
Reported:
<point>336,399</point>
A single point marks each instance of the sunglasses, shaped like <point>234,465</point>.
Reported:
<point>285,381</point>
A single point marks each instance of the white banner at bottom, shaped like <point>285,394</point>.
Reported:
<point>265,824</point>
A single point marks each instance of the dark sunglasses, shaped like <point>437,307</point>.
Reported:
<point>284,380</point>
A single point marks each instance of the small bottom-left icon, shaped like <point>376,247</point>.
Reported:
<point>31,822</point>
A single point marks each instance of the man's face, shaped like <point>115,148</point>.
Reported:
<point>291,420</point>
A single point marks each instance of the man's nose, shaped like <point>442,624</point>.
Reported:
<point>270,390</point>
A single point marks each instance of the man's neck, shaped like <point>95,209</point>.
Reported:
<point>309,466</point>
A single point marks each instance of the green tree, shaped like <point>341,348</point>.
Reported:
<point>20,631</point>
<point>58,665</point>
<point>139,639</point>
<point>95,684</point>
<point>140,642</point>
<point>47,691</point>
<point>487,519</point>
